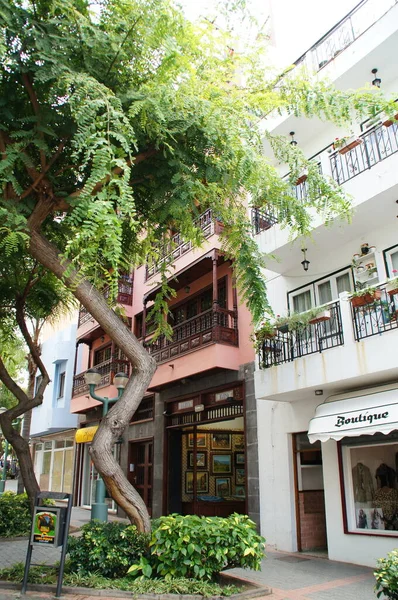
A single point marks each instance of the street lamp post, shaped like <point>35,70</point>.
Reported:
<point>99,508</point>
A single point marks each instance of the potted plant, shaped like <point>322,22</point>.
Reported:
<point>392,284</point>
<point>345,144</point>
<point>298,321</point>
<point>364,248</point>
<point>282,324</point>
<point>386,575</point>
<point>364,295</point>
<point>317,315</point>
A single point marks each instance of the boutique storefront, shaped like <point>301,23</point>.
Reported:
<point>329,474</point>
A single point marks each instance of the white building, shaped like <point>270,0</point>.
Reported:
<point>53,426</point>
<point>341,492</point>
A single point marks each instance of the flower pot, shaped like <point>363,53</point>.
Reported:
<point>392,289</point>
<point>323,316</point>
<point>368,298</point>
<point>350,145</point>
<point>364,249</point>
<point>302,177</point>
<point>388,122</point>
<point>283,328</point>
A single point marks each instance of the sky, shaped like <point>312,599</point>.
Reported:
<point>298,24</point>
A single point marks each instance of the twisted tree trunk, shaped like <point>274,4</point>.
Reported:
<point>113,425</point>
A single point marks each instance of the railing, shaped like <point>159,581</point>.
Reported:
<point>124,296</point>
<point>262,220</point>
<point>377,144</point>
<point>107,369</point>
<point>353,25</point>
<point>310,339</point>
<point>217,413</point>
<point>376,317</point>
<point>177,247</point>
<point>212,326</point>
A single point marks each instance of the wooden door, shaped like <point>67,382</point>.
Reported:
<point>140,469</point>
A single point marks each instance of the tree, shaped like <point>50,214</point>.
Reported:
<point>30,296</point>
<point>120,124</point>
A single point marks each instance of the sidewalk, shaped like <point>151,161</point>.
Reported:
<point>291,576</point>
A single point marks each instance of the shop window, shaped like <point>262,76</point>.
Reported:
<point>145,410</point>
<point>370,485</point>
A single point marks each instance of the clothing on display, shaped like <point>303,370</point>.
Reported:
<point>363,483</point>
<point>386,476</point>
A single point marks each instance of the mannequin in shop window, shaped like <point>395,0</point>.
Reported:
<point>362,483</point>
<point>386,496</point>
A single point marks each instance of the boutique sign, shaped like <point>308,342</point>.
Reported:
<point>365,415</point>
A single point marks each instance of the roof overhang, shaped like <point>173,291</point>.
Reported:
<point>370,413</point>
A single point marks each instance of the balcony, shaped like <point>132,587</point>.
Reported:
<point>342,35</point>
<point>213,326</point>
<point>312,338</point>
<point>124,296</point>
<point>107,369</point>
<point>375,318</point>
<point>177,247</point>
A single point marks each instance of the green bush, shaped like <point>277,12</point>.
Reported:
<point>199,547</point>
<point>387,576</point>
<point>15,515</point>
<point>106,548</point>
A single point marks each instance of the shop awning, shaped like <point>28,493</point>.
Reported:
<point>360,415</point>
<point>85,434</point>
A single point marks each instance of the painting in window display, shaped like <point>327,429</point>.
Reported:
<point>371,487</point>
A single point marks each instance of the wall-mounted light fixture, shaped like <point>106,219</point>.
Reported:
<point>376,81</point>
<point>318,392</point>
<point>293,142</point>
<point>305,262</point>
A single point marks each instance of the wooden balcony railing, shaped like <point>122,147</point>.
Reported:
<point>212,326</point>
<point>107,369</point>
<point>124,296</point>
<point>176,247</point>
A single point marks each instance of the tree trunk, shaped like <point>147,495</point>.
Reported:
<point>113,425</point>
<point>27,418</point>
<point>22,450</point>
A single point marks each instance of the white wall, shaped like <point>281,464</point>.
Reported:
<point>53,412</point>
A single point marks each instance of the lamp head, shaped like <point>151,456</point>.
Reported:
<point>120,381</point>
<point>92,376</point>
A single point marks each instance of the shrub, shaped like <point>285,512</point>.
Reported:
<point>387,576</point>
<point>106,548</point>
<point>199,547</point>
<point>15,515</point>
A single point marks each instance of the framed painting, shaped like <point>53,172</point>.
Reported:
<point>239,441</point>
<point>223,486</point>
<point>239,458</point>
<point>221,463</point>
<point>202,482</point>
<point>201,459</point>
<point>240,491</point>
<point>221,441</point>
<point>240,477</point>
<point>200,440</point>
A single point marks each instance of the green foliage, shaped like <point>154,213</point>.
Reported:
<point>200,547</point>
<point>180,585</point>
<point>106,548</point>
<point>386,575</point>
<point>131,121</point>
<point>15,515</point>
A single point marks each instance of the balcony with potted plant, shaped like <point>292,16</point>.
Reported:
<point>375,309</point>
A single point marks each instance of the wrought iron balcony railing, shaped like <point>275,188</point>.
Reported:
<point>177,247</point>
<point>310,339</point>
<point>212,326</point>
<point>377,144</point>
<point>107,369</point>
<point>262,219</point>
<point>376,316</point>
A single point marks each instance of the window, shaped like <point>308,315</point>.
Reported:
<point>199,304</point>
<point>145,410</point>
<point>369,480</point>
<point>321,291</point>
<point>102,355</point>
<point>61,384</point>
<point>391,258</point>
<point>39,379</point>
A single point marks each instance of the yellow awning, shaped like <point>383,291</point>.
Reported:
<point>85,434</point>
